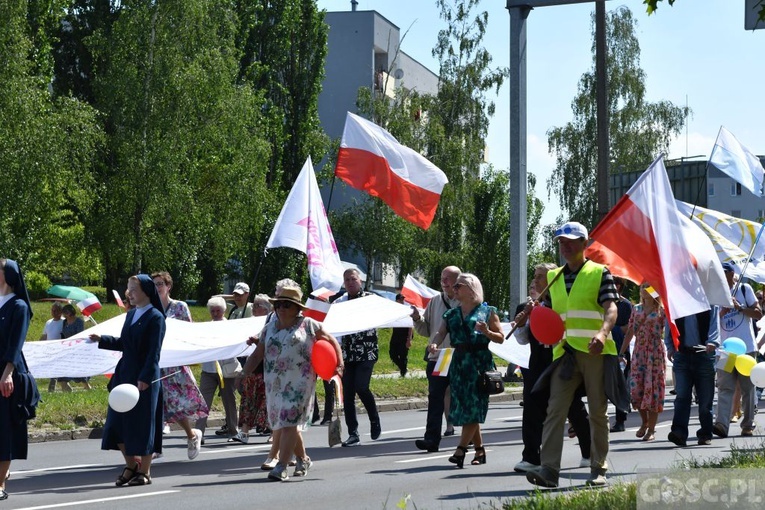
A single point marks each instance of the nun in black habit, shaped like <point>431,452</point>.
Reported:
<point>137,433</point>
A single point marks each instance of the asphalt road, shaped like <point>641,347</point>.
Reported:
<point>375,475</point>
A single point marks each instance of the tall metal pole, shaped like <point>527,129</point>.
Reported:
<point>601,90</point>
<point>518,223</point>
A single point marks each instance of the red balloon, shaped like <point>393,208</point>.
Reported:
<point>324,359</point>
<point>546,325</point>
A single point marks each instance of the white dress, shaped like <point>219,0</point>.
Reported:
<point>289,376</point>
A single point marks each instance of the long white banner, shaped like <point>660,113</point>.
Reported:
<point>187,343</point>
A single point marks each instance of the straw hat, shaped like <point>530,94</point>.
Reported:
<point>291,294</point>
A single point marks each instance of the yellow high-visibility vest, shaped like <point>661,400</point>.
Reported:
<point>579,309</point>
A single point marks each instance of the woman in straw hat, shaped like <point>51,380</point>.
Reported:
<point>285,347</point>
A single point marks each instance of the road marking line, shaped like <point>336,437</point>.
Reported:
<point>240,449</point>
<point>398,431</point>
<point>57,468</point>
<point>431,457</point>
<point>99,500</point>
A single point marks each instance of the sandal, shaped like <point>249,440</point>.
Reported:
<point>641,431</point>
<point>140,479</point>
<point>122,479</point>
<point>649,435</point>
<point>459,459</point>
<point>480,456</point>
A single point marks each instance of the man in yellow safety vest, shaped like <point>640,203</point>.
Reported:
<point>585,297</point>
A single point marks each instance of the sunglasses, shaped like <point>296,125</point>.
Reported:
<point>458,285</point>
<point>283,304</point>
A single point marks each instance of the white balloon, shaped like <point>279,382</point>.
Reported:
<point>123,398</point>
<point>758,375</point>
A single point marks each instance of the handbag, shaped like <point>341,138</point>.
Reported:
<point>490,382</point>
<point>230,367</point>
<point>335,429</point>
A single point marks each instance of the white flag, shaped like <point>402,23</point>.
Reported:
<point>738,162</point>
<point>732,238</point>
<point>303,225</point>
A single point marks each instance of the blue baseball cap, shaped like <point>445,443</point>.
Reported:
<point>727,266</point>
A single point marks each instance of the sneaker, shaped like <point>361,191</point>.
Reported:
<point>353,440</point>
<point>302,467</point>
<point>524,467</point>
<point>376,429</point>
<point>584,463</point>
<point>704,441</point>
<point>269,464</point>
<point>719,430</point>
<point>223,431</point>
<point>240,437</point>
<point>279,473</point>
<point>679,441</point>
<point>166,429</point>
<point>618,427</point>
<point>597,478</point>
<point>747,432</point>
<point>195,444</point>
<point>543,476</point>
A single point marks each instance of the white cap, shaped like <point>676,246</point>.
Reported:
<point>241,288</point>
<point>571,230</point>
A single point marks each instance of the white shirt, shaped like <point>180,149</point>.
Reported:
<point>53,329</point>
<point>139,312</point>
<point>735,323</point>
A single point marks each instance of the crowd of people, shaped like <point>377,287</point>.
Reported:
<point>610,350</point>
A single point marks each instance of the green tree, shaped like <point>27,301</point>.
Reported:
<point>652,5</point>
<point>182,186</point>
<point>639,130</point>
<point>46,153</point>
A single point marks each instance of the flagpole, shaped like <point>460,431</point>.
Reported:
<point>331,189</point>
<point>704,179</point>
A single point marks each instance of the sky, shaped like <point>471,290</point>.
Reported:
<point>696,51</point>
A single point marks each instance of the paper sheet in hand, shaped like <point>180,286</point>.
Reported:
<point>510,350</point>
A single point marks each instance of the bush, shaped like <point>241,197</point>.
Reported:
<point>100,292</point>
<point>37,284</point>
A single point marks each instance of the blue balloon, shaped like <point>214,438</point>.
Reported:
<point>734,346</point>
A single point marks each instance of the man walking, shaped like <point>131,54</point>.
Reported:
<point>737,322</point>
<point>584,293</point>
<point>360,353</point>
<point>428,325</point>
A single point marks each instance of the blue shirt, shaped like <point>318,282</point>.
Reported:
<point>692,332</point>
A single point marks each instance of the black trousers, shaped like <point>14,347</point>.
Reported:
<point>356,377</point>
<point>399,353</point>
<point>535,412</point>
<point>437,387</point>
<point>329,401</point>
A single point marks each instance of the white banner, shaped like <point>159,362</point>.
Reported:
<point>188,343</point>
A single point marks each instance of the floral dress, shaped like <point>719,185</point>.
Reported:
<point>180,393</point>
<point>471,358</point>
<point>647,382</point>
<point>289,375</point>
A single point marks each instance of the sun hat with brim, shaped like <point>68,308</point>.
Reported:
<point>291,294</point>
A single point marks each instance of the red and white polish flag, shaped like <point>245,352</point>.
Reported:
<point>89,305</point>
<point>373,161</point>
<point>316,309</point>
<point>646,231</point>
<point>118,299</point>
<point>416,293</point>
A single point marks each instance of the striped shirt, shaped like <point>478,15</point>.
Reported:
<point>607,291</point>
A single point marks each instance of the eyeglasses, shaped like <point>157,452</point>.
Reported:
<point>283,304</point>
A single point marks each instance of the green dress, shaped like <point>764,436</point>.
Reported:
<point>471,358</point>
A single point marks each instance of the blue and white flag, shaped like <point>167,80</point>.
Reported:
<point>738,162</point>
